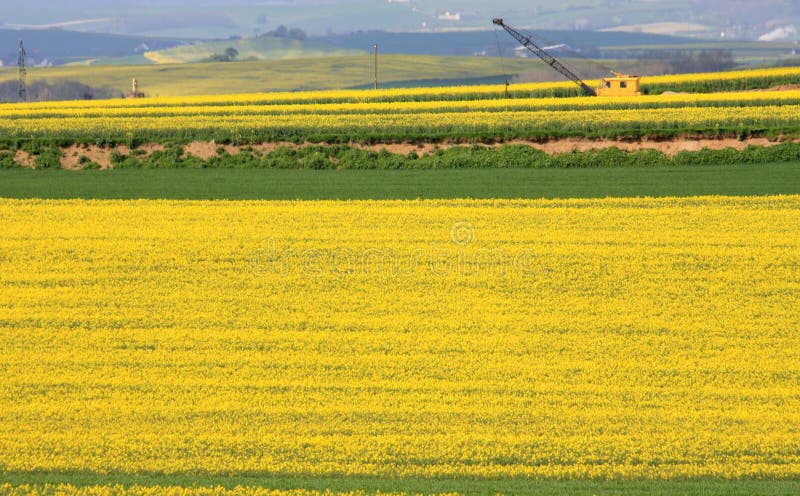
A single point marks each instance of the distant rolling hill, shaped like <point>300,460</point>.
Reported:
<point>255,48</point>
<point>471,42</point>
<point>288,75</point>
<point>57,46</point>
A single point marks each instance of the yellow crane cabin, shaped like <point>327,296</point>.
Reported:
<point>620,85</point>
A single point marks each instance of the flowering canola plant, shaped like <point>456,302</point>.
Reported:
<point>544,339</point>
<point>471,112</point>
<point>517,122</point>
<point>244,105</point>
<point>445,93</point>
<point>158,490</point>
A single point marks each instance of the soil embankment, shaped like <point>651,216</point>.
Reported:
<point>77,157</point>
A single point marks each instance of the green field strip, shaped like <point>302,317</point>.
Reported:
<point>278,184</point>
<point>204,78</point>
<point>700,487</point>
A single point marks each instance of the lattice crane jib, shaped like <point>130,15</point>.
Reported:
<point>542,54</point>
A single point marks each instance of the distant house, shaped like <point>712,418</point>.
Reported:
<point>521,52</point>
<point>450,16</point>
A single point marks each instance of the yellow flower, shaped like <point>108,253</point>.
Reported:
<point>615,339</point>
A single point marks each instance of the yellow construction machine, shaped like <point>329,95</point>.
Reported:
<point>618,85</point>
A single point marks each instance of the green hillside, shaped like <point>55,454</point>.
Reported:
<point>59,46</point>
<point>285,75</point>
<point>256,48</point>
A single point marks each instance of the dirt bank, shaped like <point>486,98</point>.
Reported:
<point>568,145</point>
<point>204,150</point>
<point>76,157</point>
<point>782,87</point>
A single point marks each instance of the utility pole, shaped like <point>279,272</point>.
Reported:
<point>375,47</point>
<point>22,73</point>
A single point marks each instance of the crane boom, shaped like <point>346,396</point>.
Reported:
<point>542,54</point>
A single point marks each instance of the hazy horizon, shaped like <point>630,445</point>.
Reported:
<point>771,19</point>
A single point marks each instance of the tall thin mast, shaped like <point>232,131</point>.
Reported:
<point>22,73</point>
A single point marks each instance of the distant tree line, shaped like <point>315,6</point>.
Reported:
<point>689,61</point>
<point>40,91</point>
<point>284,32</point>
<point>229,55</point>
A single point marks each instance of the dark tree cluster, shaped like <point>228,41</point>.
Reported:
<point>284,32</point>
<point>688,61</point>
<point>229,55</point>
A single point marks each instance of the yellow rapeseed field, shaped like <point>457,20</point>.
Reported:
<point>249,121</point>
<point>608,339</point>
<point>446,93</point>
<point>262,104</point>
<point>157,490</point>
<point>406,124</point>
<point>468,112</point>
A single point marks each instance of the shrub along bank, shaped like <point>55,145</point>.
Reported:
<point>474,157</point>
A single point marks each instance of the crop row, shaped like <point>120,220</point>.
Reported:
<point>176,490</point>
<point>748,99</point>
<point>696,83</point>
<point>538,124</point>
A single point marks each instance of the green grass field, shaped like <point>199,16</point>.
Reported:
<point>259,48</point>
<point>249,184</point>
<point>282,75</point>
<point>371,485</point>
